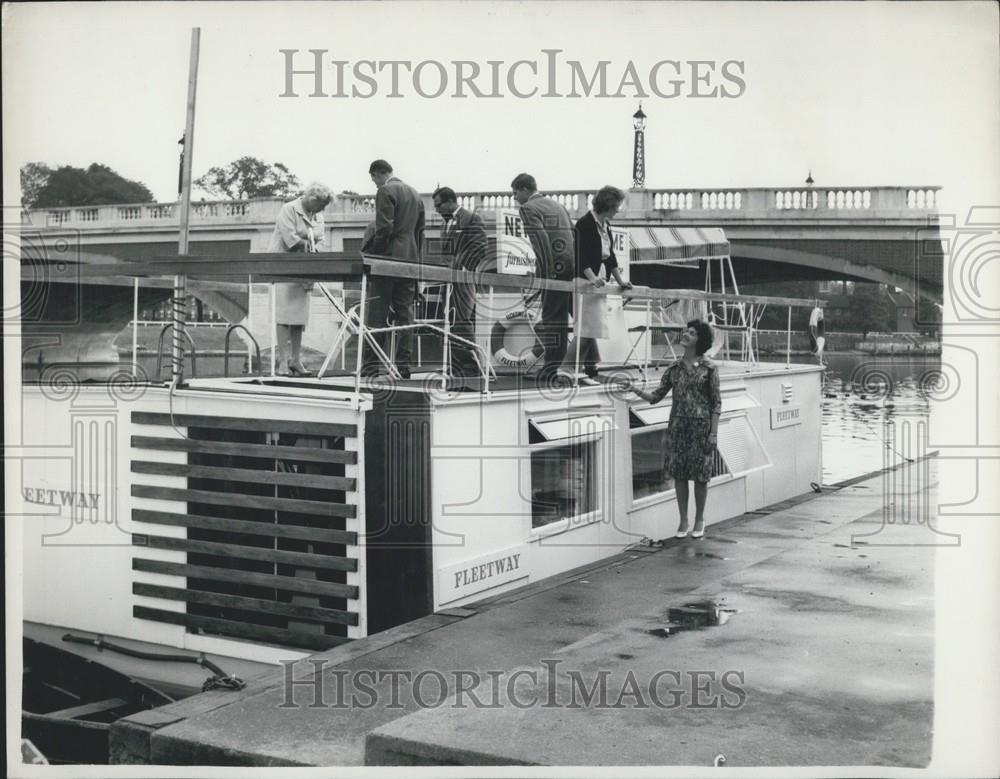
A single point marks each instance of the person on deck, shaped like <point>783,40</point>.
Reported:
<point>692,432</point>
<point>463,246</point>
<point>399,234</point>
<point>594,251</point>
<point>299,228</point>
<point>550,230</point>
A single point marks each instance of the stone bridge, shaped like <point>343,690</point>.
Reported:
<point>877,234</point>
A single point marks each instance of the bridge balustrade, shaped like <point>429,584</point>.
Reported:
<point>921,198</point>
<point>797,199</point>
<point>723,204</point>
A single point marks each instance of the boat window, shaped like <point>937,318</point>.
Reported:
<point>740,445</point>
<point>542,430</point>
<point>564,457</point>
<point>648,475</point>
<point>648,435</point>
<point>563,482</point>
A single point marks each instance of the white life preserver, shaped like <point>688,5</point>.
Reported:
<point>498,335</point>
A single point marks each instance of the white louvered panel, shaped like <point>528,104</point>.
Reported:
<point>740,445</point>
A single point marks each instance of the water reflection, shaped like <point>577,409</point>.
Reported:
<point>861,392</point>
<point>693,616</point>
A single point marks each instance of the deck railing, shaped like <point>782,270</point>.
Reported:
<point>719,204</point>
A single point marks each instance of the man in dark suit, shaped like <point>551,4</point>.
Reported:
<point>463,246</point>
<point>550,231</point>
<point>399,234</point>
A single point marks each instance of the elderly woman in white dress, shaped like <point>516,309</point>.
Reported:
<point>299,229</point>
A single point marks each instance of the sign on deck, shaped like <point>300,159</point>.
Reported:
<point>514,252</point>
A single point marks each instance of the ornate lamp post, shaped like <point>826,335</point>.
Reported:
<point>639,156</point>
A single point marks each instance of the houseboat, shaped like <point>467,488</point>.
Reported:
<point>255,519</point>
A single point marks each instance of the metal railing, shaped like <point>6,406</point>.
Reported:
<point>159,350</point>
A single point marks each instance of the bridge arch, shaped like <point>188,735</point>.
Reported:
<point>838,265</point>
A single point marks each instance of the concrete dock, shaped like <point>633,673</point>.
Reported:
<point>798,635</point>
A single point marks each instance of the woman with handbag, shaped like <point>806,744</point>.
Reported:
<point>299,228</point>
<point>594,252</point>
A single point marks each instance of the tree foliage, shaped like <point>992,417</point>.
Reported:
<point>34,176</point>
<point>68,186</point>
<point>249,177</point>
<point>871,310</point>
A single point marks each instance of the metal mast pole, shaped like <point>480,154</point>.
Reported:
<point>180,280</point>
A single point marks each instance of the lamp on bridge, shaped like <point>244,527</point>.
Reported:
<point>180,167</point>
<point>639,156</point>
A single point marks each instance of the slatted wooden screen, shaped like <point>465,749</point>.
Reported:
<point>270,512</point>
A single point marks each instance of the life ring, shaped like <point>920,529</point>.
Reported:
<point>817,339</point>
<point>526,358</point>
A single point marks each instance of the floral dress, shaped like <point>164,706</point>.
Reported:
<point>696,397</point>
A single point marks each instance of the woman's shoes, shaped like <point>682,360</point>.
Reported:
<point>681,534</point>
<point>698,533</point>
<point>298,370</point>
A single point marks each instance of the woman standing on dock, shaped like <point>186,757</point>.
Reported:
<point>299,229</point>
<point>692,433</point>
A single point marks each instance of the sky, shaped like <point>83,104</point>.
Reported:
<point>858,94</point>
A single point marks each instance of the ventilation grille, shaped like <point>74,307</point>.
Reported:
<point>270,539</point>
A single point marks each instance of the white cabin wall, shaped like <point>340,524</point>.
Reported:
<point>77,564</point>
<point>78,575</point>
<point>794,450</point>
<point>478,514</point>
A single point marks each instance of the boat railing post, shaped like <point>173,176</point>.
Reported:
<point>647,337</point>
<point>447,330</point>
<point>577,302</point>
<point>249,328</point>
<point>178,311</point>
<point>343,302</point>
<point>361,338</point>
<point>274,327</point>
<point>788,340</point>
<point>135,327</point>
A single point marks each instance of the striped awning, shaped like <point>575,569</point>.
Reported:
<point>683,246</point>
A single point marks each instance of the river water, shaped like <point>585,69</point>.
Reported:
<point>863,395</point>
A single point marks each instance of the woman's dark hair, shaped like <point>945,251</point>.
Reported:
<point>704,331</point>
<point>606,198</point>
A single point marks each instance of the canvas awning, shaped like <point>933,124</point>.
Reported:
<point>682,246</point>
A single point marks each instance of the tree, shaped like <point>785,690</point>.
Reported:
<point>96,186</point>
<point>249,177</point>
<point>34,176</point>
<point>871,310</point>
